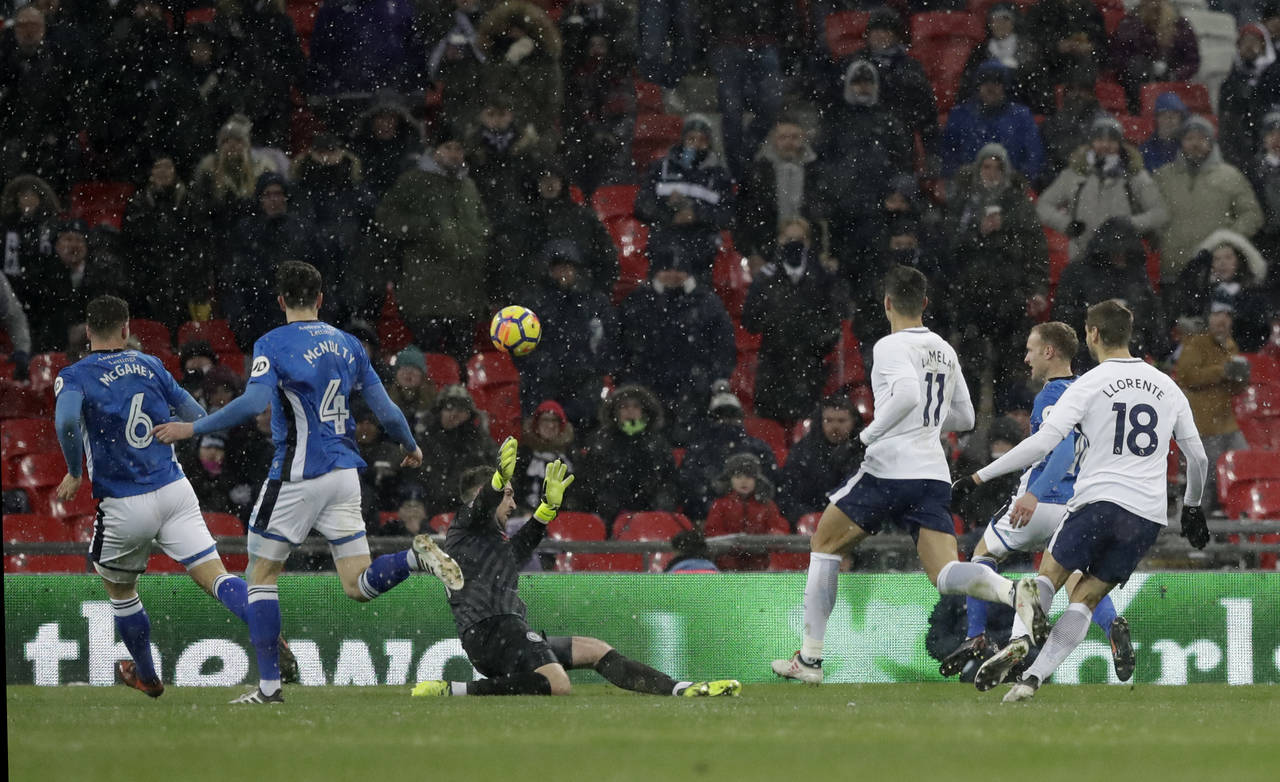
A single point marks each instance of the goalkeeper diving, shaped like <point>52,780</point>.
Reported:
<point>490,615</point>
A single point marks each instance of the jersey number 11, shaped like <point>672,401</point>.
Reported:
<point>929,380</point>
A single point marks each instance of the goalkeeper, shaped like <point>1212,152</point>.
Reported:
<point>491,616</point>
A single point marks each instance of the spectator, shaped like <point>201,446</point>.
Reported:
<point>722,436</point>
<point>361,46</point>
<point>273,234</point>
<point>692,554</point>
<point>249,453</point>
<point>219,386</point>
<point>385,140</point>
<point>1071,35</point>
<point>628,464</point>
<point>600,94</point>
<point>1211,371</point>
<point>503,152</point>
<point>1105,179</point>
<point>410,515</point>
<point>196,358</point>
<point>743,42</point>
<point>1000,265</point>
<point>222,189</point>
<point>436,239</point>
<point>454,58</point>
<point>1153,43</point>
<point>363,331</point>
<point>1009,44</point>
<point>454,441</point>
<point>1162,148</point>
<point>410,388</point>
<point>827,455</point>
<point>864,146</point>
<point>548,435</point>
<point>206,469</point>
<point>382,480</point>
<point>991,117</point>
<point>1202,194</point>
<point>267,55</point>
<point>67,283</point>
<point>687,200</point>
<point>977,507</point>
<point>904,242</point>
<point>193,97</point>
<point>791,302</point>
<point>164,247</point>
<point>1071,125</point>
<point>1225,275</point>
<point>1265,175</point>
<point>779,185</point>
<point>667,40</point>
<point>677,337</point>
<point>28,212</point>
<point>904,88</point>
<point>579,332</point>
<point>15,323</point>
<point>36,135</point>
<point>1243,97</point>
<point>1114,266</point>
<point>522,47</point>
<point>745,506</point>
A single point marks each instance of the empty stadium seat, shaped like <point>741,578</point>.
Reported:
<point>18,400</point>
<point>1196,96</point>
<point>613,201</point>
<point>1137,129</point>
<point>1113,12</point>
<point>654,135</point>
<point>20,436</point>
<point>443,370</point>
<point>225,525</point>
<point>440,522</point>
<point>40,470</point>
<point>631,237</point>
<point>152,335</point>
<point>40,528</point>
<point>216,332</point>
<point>82,504</point>
<point>100,202</point>
<point>1111,97</point>
<point>1264,368</point>
<point>44,369</point>
<point>303,15</point>
<point>648,97</point>
<point>1261,433</point>
<point>490,369</point>
<point>648,525</point>
<point>845,368</point>
<point>1237,470</point>
<point>1261,500</point>
<point>844,32</point>
<point>200,16</point>
<point>947,26</point>
<point>494,385</point>
<point>393,334</point>
<point>743,380</point>
<point>573,525</point>
<point>1258,401</point>
<point>771,432</point>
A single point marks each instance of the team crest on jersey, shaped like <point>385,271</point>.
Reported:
<point>532,636</point>
<point>261,365</point>
<point>57,386</point>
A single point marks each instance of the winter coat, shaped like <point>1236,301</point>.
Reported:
<point>28,242</point>
<point>1134,46</point>
<point>1241,106</point>
<point>384,161</point>
<point>800,323</point>
<point>708,188</point>
<point>546,220</point>
<point>970,127</point>
<point>531,465</point>
<point>1051,21</point>
<point>1200,201</point>
<point>58,304</point>
<point>503,173</point>
<point>164,247</point>
<point>35,90</point>
<point>815,466</point>
<point>361,46</point>
<point>1082,192</point>
<point>734,514</point>
<point>266,53</point>
<point>447,454</point>
<point>438,232</point>
<point>705,459</point>
<point>259,246</point>
<point>1265,177</point>
<point>1027,82</point>
<point>1201,374</point>
<point>905,91</point>
<point>624,472</point>
<point>1020,234</point>
<point>417,404</point>
<point>578,348</point>
<point>1158,152</point>
<point>191,104</point>
<point>1244,294</point>
<point>758,193</point>
<point>1065,131</point>
<point>533,80</point>
<point>615,23</point>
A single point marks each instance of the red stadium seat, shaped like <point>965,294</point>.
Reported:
<point>979,8</point>
<point>1137,129</point>
<point>743,380</point>
<point>100,202</point>
<point>947,26</point>
<point>631,237</point>
<point>303,15</point>
<point>494,384</point>
<point>864,402</point>
<point>216,332</point>
<point>443,370</point>
<point>800,430</point>
<point>654,135</point>
<point>38,528</point>
<point>45,368</point>
<point>731,278</point>
<point>1059,255</point>
<point>649,525</point>
<point>1112,15</point>
<point>945,68</point>
<point>1264,368</point>
<point>200,16</point>
<point>393,334</point>
<point>771,432</point>
<point>1260,501</point>
<point>1237,470</point>
<point>571,525</point>
<point>40,470</point>
<point>20,401</point>
<point>845,369</point>
<point>80,505</point>
<point>648,97</point>
<point>1196,96</point>
<point>677,456</point>
<point>152,335</point>
<point>490,369</point>
<point>808,523</point>
<point>1258,402</point>
<point>20,436</point>
<point>845,31</point>
<point>613,201</point>
<point>440,522</point>
<point>746,342</point>
<point>224,525</point>
<point>1261,433</point>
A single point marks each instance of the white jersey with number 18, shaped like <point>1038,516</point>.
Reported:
<point>1127,411</point>
<point>920,393</point>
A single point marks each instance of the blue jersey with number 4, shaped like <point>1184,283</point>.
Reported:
<point>1045,400</point>
<point>126,393</point>
<point>312,368</point>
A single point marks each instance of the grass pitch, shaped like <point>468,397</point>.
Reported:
<point>942,732</point>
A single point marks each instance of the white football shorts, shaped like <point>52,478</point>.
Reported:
<point>287,511</point>
<point>1001,538</point>
<point>126,527</point>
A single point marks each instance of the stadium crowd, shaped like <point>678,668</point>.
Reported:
<point>706,279</point>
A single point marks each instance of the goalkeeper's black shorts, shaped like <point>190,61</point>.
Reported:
<point>504,645</point>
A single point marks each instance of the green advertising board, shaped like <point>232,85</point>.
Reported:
<point>1187,627</point>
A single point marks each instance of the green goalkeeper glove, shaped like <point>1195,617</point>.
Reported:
<point>506,464</point>
<point>553,485</point>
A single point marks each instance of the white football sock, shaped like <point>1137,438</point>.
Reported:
<point>980,581</point>
<point>1067,634</point>
<point>457,688</point>
<point>819,599</point>
<point>1019,629</point>
<point>1047,591</point>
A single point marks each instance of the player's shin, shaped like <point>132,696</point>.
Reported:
<point>526,683</point>
<point>970,578</point>
<point>819,599</point>
<point>386,572</point>
<point>233,592</point>
<point>264,632</point>
<point>631,675</point>
<point>975,609</point>
<point>1068,632</point>
<point>1105,614</point>
<point>134,627</point>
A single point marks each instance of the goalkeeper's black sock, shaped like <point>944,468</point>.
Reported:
<point>635,676</point>
<point>527,683</point>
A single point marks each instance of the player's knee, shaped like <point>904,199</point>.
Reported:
<point>352,590</point>
<point>589,651</point>
<point>558,679</point>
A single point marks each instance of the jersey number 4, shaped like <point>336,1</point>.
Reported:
<point>333,407</point>
<point>1137,428</point>
<point>930,380</point>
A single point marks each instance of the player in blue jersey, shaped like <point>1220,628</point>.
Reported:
<point>307,370</point>
<point>107,404</point>
<point>1036,509</point>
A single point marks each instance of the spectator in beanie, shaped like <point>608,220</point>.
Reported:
<point>1153,43</point>
<point>411,389</point>
<point>744,506</point>
<point>990,117</point>
<point>383,479</point>
<point>627,465</point>
<point>196,358</point>
<point>547,436</point>
<point>454,441</point>
<point>721,436</point>
<point>411,513</point>
<point>1162,147</point>
<point>503,152</point>
<point>824,457</point>
<point>222,188</point>
<point>206,469</point>
<point>1246,95</point>
<point>904,87</point>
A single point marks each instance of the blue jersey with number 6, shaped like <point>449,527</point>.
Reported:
<point>126,393</point>
<point>312,368</point>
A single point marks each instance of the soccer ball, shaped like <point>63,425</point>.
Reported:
<point>515,330</point>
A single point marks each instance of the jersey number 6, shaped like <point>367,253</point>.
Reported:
<point>137,430</point>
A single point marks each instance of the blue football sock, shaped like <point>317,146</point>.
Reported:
<point>134,627</point>
<point>976,609</point>
<point>233,593</point>
<point>1105,614</point>
<point>264,631</point>
<point>384,573</point>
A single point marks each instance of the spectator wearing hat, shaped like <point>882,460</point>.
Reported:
<point>548,436</point>
<point>675,336</point>
<point>1153,43</point>
<point>219,385</point>
<point>385,140</point>
<point>904,89</point>
<point>454,59</point>
<point>579,336</point>
<point>1105,179</point>
<point>1202,194</point>
<point>361,47</point>
<point>383,481</point>
<point>1227,274</point>
<point>628,463</point>
<point>1071,125</point>
<point>28,218</point>
<point>206,468</point>
<point>503,153</point>
<point>779,185</point>
<point>692,554</point>
<point>65,283</point>
<point>687,199</point>
<point>1008,42</point>
<point>792,304</point>
<point>522,50</point>
<point>1246,95</point>
<point>991,117</point>
<point>222,188</point>
<point>1071,35</point>
<point>434,234</point>
<point>410,512</point>
<point>720,436</point>
<point>275,233</point>
<point>456,439</point>
<point>1162,148</point>
<point>828,454</point>
<point>744,506</point>
<point>411,389</point>
<point>1265,176</point>
<point>905,241</point>
<point>195,357</point>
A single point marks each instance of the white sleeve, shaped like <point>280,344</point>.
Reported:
<point>904,392</point>
<point>1188,437</point>
<point>961,417</point>
<point>1060,422</point>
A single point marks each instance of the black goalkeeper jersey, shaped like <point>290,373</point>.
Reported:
<point>490,563</point>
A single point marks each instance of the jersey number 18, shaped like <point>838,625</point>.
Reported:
<point>1137,428</point>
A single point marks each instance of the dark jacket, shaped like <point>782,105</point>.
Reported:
<point>578,348</point>
<point>384,161</point>
<point>259,246</point>
<point>191,104</point>
<point>707,187</point>
<point>970,126</point>
<point>1051,21</point>
<point>705,459</point>
<point>815,467</point>
<point>1243,99</point>
<point>447,454</point>
<point>164,248</point>
<point>361,46</point>
<point>267,56</point>
<point>757,223</point>
<point>629,472</point>
<point>59,305</point>
<point>557,219</point>
<point>28,240</point>
<point>534,80</point>
<point>502,164</point>
<point>905,90</point>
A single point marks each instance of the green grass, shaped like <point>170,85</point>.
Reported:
<point>789,733</point>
